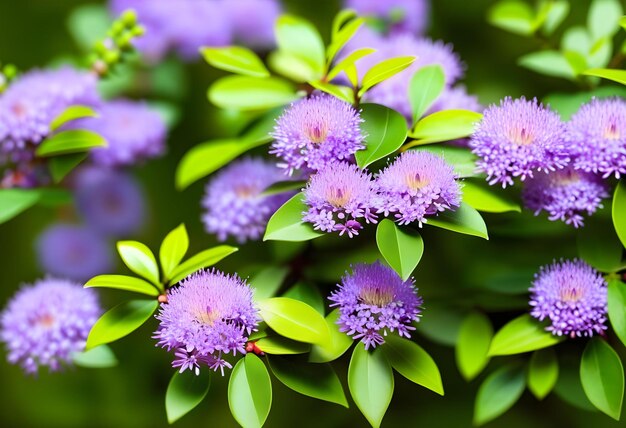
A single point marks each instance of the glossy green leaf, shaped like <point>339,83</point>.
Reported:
<point>339,342</point>
<point>278,345</point>
<point>201,260</point>
<point>99,357</point>
<point>602,377</point>
<point>299,37</point>
<point>185,391</point>
<point>250,392</point>
<point>173,249</point>
<point>473,345</point>
<point>251,93</point>
<point>384,70</point>
<point>543,372</point>
<point>484,198</point>
<point>599,246</point>
<point>462,159</point>
<point>446,125</point>
<point>515,16</point>
<point>313,380</point>
<point>464,220</point>
<point>72,141</point>
<point>498,393</point>
<point>293,67</point>
<point>550,63</point>
<point>385,130</point>
<point>426,85</point>
<point>71,113</point>
<point>343,16</point>
<point>16,201</point>
<point>62,165</point>
<point>413,362</point>
<point>370,379</point>
<point>123,282</point>
<point>267,282</point>
<point>618,209</point>
<point>235,59</point>
<point>603,18</point>
<point>295,320</point>
<point>139,259</point>
<point>286,223</point>
<point>402,248</point>
<point>206,158</point>
<point>523,334</point>
<point>617,308</point>
<point>618,76</point>
<point>342,92</point>
<point>120,321</point>
<point>348,62</point>
<point>342,36</point>
<point>308,294</point>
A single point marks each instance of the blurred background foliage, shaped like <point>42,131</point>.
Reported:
<point>456,273</point>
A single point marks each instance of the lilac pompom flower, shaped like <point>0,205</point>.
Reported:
<point>316,131</point>
<point>46,322</point>
<point>253,21</point>
<point>374,301</point>
<point>566,195</point>
<point>134,133</point>
<point>402,15</point>
<point>110,201</point>
<point>518,138</point>
<point>572,296</point>
<point>74,252</point>
<point>208,315</point>
<point>339,198</point>
<point>418,185</point>
<point>233,202</point>
<point>597,133</point>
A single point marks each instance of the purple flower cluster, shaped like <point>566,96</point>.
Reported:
<point>45,323</point>
<point>316,131</point>
<point>374,301</point>
<point>572,296</point>
<point>208,315</point>
<point>233,202</point>
<point>400,15</point>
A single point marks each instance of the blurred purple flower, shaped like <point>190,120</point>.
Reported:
<point>456,98</point>
<point>597,133</point>
<point>253,21</point>
<point>374,301</point>
<point>402,15</point>
<point>566,195</point>
<point>518,138</point>
<point>339,198</point>
<point>418,185</point>
<point>208,315</point>
<point>316,131</point>
<point>573,296</point>
<point>111,202</point>
<point>73,252</point>
<point>233,201</point>
<point>46,322</point>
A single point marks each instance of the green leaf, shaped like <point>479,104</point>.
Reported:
<point>295,320</point>
<point>349,62</point>
<point>54,197</point>
<point>99,357</point>
<point>543,372</point>
<point>484,199</point>
<point>473,345</point>
<point>60,166</point>
<point>617,308</point>
<point>603,18</point>
<point>72,141</point>
<point>385,130</point>
<point>464,220</point>
<point>462,159</point>
<point>88,23</point>
<point>250,392</point>
<point>370,379</point>
<point>602,377</point>
<point>201,260</point>
<point>619,208</point>
<point>139,259</point>
<point>120,321</point>
<point>566,104</point>
<point>235,59</point>
<point>618,76</point>
<point>557,12</point>
<point>123,282</point>
<point>446,125</point>
<point>71,113</point>
<point>309,294</point>
<point>514,16</point>
<point>313,380</point>
<point>383,71</point>
<point>283,187</point>
<point>523,334</point>
<point>251,93</point>
<point>599,246</point>
<point>341,37</point>
<point>16,201</point>
<point>185,391</point>
<point>568,386</point>
<point>267,282</point>
<point>206,158</point>
<point>550,63</point>
<point>278,345</point>
<point>286,223</point>
<point>498,393</point>
<point>339,342</point>
<point>412,362</point>
<point>401,248</point>
<point>173,249</point>
<point>300,38</point>
<point>291,66</point>
<point>342,92</point>
<point>426,85</point>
